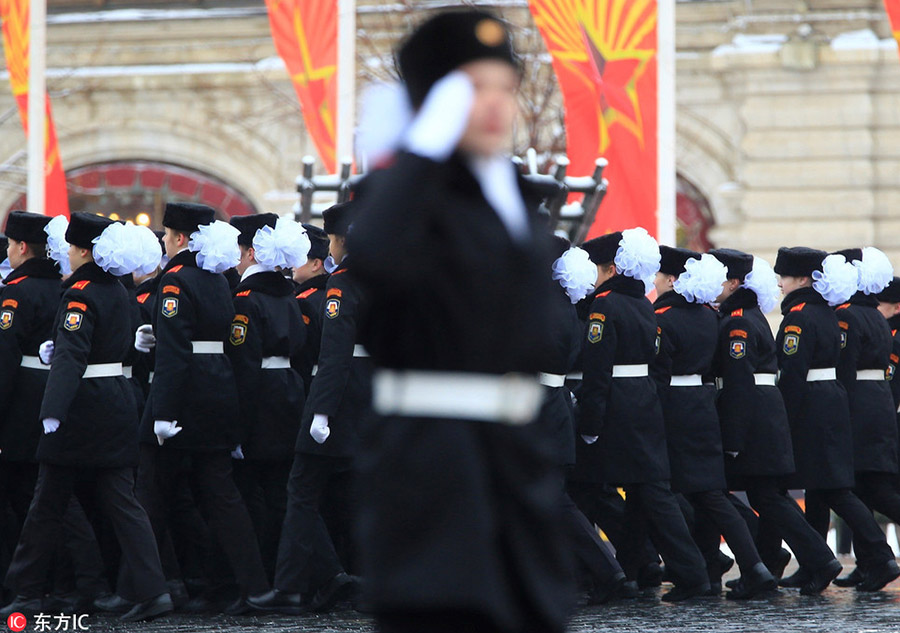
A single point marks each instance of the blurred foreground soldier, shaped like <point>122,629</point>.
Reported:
<point>577,276</point>
<point>309,575</point>
<point>460,528</point>
<point>756,436</point>
<point>266,334</point>
<point>685,283</point>
<point>809,350</point>
<point>311,279</point>
<point>866,348</point>
<point>620,417</point>
<point>193,409</point>
<point>89,446</point>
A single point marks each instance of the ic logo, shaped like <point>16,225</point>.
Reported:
<point>16,622</point>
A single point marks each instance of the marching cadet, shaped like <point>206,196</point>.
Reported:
<point>620,415</point>
<point>685,283</point>
<point>460,528</point>
<point>889,306</point>
<point>311,279</point>
<point>756,435</point>
<point>193,410</point>
<point>89,446</point>
<point>577,276</point>
<point>266,334</point>
<point>28,308</point>
<point>866,348</point>
<point>146,285</point>
<point>809,350</point>
<point>309,575</point>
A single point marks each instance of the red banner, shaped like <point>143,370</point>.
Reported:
<point>14,15</point>
<point>305,34</point>
<point>604,55</point>
<point>893,10</point>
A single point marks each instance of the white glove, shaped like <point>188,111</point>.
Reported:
<point>237,453</point>
<point>732,454</point>
<point>144,340</point>
<point>45,351</point>
<point>51,425</point>
<point>590,439</point>
<point>319,428</point>
<point>165,430</point>
<point>443,117</point>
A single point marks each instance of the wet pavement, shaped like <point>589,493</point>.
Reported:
<point>835,611</point>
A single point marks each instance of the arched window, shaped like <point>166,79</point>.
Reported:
<point>694,217</point>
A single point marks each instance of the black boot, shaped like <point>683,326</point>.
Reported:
<point>821,578</point>
<point>795,580</point>
<point>150,609</point>
<point>879,576</point>
<point>758,580</point>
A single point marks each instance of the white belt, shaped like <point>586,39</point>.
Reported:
<point>692,380</point>
<point>33,362</point>
<point>360,352</point>
<point>508,399</point>
<point>552,380</point>
<point>820,375</point>
<point>276,362</point>
<point>150,377</point>
<point>765,379</point>
<point>315,370</point>
<point>630,371</point>
<point>208,347</point>
<point>103,370</point>
<point>575,375</point>
<point>870,374</point>
<point>127,371</point>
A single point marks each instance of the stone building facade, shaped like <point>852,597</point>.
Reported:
<point>788,112</point>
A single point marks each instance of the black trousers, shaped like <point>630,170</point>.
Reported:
<point>306,555</point>
<point>869,541</point>
<point>879,492</point>
<point>603,506</point>
<point>263,485</point>
<point>652,509</point>
<point>210,477</point>
<point>715,515</point>
<point>109,489</point>
<point>781,518</point>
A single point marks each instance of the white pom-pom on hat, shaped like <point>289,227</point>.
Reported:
<point>702,279</point>
<point>638,256</point>
<point>117,249</point>
<point>285,246</point>
<point>875,271</point>
<point>763,281</point>
<point>837,281</point>
<point>216,246</point>
<point>57,246</point>
<point>576,273</point>
<point>147,245</point>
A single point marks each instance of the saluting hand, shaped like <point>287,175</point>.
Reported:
<point>443,117</point>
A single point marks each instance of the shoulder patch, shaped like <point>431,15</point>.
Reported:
<point>6,319</point>
<point>895,358</point>
<point>793,328</point>
<point>175,290</point>
<point>333,308</point>
<point>243,293</point>
<point>175,269</point>
<point>597,315</point>
<point>334,292</point>
<point>595,331</point>
<point>844,325</point>
<point>738,313</point>
<point>142,298</point>
<point>10,303</point>
<point>738,349</point>
<point>238,332</point>
<point>799,307</point>
<point>73,321</point>
<point>76,305</point>
<point>791,343</point>
<point>307,293</point>
<point>241,318</point>
<point>80,285</point>
<point>663,310</point>
<point>169,307</point>
<point>737,334</point>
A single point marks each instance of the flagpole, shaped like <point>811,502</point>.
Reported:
<point>665,68</point>
<point>37,89</point>
<point>346,58</point>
